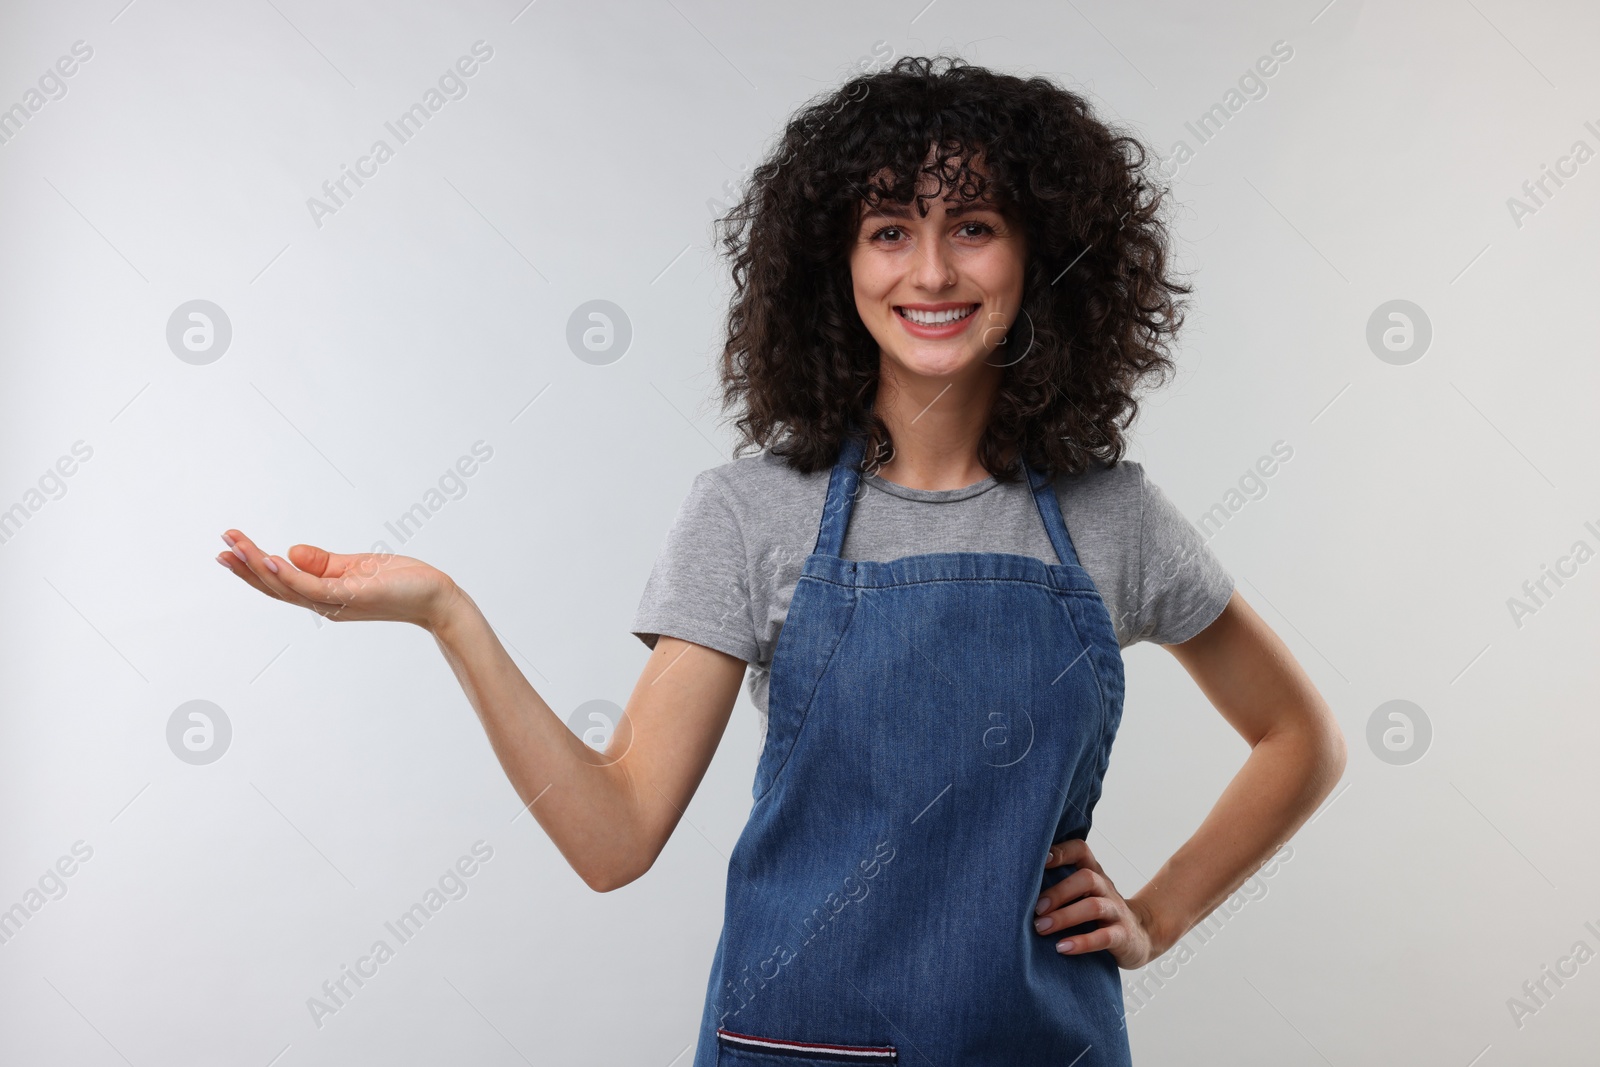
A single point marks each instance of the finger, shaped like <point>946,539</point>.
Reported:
<point>324,593</point>
<point>236,561</point>
<point>244,573</point>
<point>1061,852</point>
<point>1113,936</point>
<point>264,568</point>
<point>320,562</point>
<point>311,559</point>
<point>1076,852</point>
<point>1079,883</point>
<point>1093,908</point>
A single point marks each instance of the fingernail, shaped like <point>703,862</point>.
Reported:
<point>1064,946</point>
<point>222,562</point>
<point>227,540</point>
<point>1039,908</point>
<point>237,551</point>
<point>271,566</point>
<point>1041,925</point>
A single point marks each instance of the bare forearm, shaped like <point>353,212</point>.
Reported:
<point>1285,777</point>
<point>579,800</point>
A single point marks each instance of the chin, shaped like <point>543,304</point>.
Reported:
<point>937,361</point>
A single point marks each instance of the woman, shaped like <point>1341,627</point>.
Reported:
<point>948,283</point>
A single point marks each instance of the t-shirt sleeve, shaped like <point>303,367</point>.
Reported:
<point>1183,586</point>
<point>698,589</point>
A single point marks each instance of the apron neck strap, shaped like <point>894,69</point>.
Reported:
<point>1044,495</point>
<point>844,484</point>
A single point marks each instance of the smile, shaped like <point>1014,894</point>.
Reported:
<point>945,317</point>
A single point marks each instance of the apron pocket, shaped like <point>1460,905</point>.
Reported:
<point>736,1049</point>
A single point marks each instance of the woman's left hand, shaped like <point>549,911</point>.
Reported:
<point>1087,895</point>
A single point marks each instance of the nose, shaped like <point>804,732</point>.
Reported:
<point>935,267</point>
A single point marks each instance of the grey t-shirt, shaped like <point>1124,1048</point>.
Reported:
<point>731,559</point>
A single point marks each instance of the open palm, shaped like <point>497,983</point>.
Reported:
<point>363,586</point>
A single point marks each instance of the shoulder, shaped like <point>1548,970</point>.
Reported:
<point>1104,493</point>
<point>763,491</point>
<point>758,473</point>
<point>1103,477</point>
<point>760,504</point>
<point>1176,584</point>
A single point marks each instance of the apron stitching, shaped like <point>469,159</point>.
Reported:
<point>1099,688</point>
<point>862,598</point>
<point>1103,742</point>
<point>805,712</point>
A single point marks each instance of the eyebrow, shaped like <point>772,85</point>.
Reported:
<point>892,210</point>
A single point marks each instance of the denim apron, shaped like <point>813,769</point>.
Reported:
<point>935,723</point>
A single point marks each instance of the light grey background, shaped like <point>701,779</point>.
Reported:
<point>430,312</point>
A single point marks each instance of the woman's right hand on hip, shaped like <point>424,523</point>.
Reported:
<point>367,585</point>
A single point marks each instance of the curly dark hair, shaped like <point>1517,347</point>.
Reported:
<point>1098,308</point>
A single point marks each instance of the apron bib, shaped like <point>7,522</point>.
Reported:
<point>935,724</point>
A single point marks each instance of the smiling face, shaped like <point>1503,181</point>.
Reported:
<point>937,292</point>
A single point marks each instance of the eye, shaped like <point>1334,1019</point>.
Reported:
<point>983,229</point>
<point>886,229</point>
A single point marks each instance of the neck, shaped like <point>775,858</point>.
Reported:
<point>936,424</point>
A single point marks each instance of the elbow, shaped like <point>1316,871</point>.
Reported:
<point>606,881</point>
<point>1338,754</point>
<point>625,850</point>
<point>1315,745</point>
<point>606,877</point>
<point>1332,752</point>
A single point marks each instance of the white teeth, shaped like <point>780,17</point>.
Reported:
<point>936,318</point>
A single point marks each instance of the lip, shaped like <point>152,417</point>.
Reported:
<point>948,329</point>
